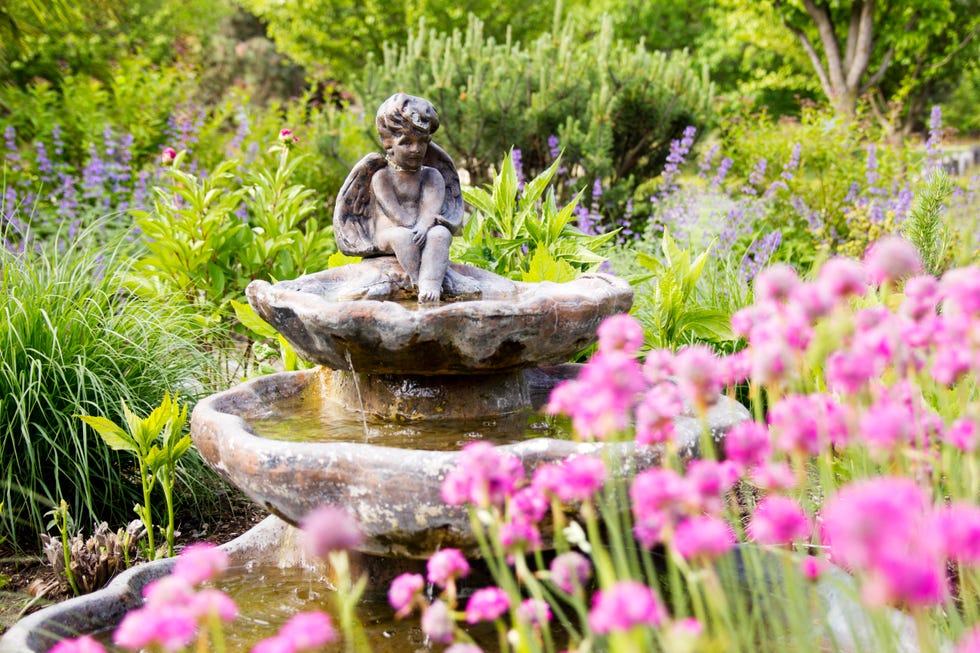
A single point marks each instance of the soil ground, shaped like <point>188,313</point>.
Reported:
<point>27,582</point>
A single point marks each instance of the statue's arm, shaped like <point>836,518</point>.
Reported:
<point>384,195</point>
<point>433,195</point>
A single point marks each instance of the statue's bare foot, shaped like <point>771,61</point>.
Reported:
<point>429,292</point>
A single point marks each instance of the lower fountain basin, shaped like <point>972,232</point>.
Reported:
<point>393,492</point>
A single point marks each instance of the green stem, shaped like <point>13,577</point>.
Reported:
<point>147,481</point>
<point>167,481</point>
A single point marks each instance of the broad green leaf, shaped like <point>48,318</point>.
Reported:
<point>338,259</point>
<point>111,433</point>
<point>251,320</point>
<point>545,268</point>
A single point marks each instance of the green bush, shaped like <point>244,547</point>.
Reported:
<point>207,237</point>
<point>613,106</point>
<point>72,342</point>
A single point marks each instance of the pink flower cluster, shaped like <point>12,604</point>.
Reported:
<point>888,530</point>
<point>174,608</point>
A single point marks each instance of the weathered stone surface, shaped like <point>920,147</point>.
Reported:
<point>395,493</point>
<point>513,326</point>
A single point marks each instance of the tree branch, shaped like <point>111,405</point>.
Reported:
<point>814,58</point>
<point>852,32</point>
<point>863,46</point>
<point>875,79</point>
<point>962,44</point>
<point>820,15</point>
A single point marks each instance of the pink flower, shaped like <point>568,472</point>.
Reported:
<point>793,425</point>
<point>308,630</point>
<point>709,480</point>
<point>775,284</point>
<point>286,136</point>
<point>518,534</point>
<point>487,604</point>
<point>530,502</point>
<point>658,366</point>
<point>887,425</point>
<point>950,363</point>
<point>907,580</point>
<point>841,277</point>
<point>170,629</point>
<point>169,590</point>
<point>813,567</point>
<point>703,537</point>
<point>747,444</point>
<point>963,435</point>
<point>921,297</point>
<point>403,591</point>
<point>483,476</point>
<point>779,520</point>
<point>959,531</point>
<point>83,644</point>
<point>625,605</point>
<point>811,301</point>
<point>774,476</point>
<point>656,412</point>
<point>200,562</point>
<point>213,604</point>
<point>437,623</point>
<point>891,259</point>
<point>580,477</point>
<point>969,643</point>
<point>698,374</point>
<point>885,529</point>
<point>446,565</point>
<point>599,401</point>
<point>620,332</point>
<point>534,612</point>
<point>330,528</point>
<point>960,290</point>
<point>168,155</point>
<point>570,571</point>
<point>656,491</point>
<point>847,371</point>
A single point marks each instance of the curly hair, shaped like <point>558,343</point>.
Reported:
<point>402,113</point>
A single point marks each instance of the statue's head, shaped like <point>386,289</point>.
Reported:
<point>403,114</point>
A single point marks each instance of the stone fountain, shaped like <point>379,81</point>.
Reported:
<point>414,357</point>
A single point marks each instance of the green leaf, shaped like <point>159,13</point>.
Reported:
<point>338,259</point>
<point>545,268</point>
<point>251,320</point>
<point>111,433</point>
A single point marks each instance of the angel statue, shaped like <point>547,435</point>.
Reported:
<point>407,203</point>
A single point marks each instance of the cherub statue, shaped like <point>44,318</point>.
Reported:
<point>407,203</point>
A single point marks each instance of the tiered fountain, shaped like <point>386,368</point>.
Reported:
<point>415,356</point>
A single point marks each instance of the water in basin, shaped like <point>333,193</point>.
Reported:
<point>267,596</point>
<point>308,418</point>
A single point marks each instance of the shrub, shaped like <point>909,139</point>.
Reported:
<point>613,106</point>
<point>73,342</point>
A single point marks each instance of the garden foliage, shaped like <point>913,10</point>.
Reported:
<point>74,341</point>
<point>614,106</point>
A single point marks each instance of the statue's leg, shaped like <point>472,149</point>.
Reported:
<point>398,240</point>
<point>435,261</point>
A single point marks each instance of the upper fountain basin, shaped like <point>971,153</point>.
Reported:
<point>350,318</point>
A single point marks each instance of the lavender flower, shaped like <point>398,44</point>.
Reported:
<point>553,146</point>
<point>707,161</point>
<point>722,172</point>
<point>759,254</point>
<point>678,154</point>
<point>517,156</point>
<point>934,142</point>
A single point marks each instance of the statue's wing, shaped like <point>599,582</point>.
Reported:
<point>353,222</point>
<point>452,206</point>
